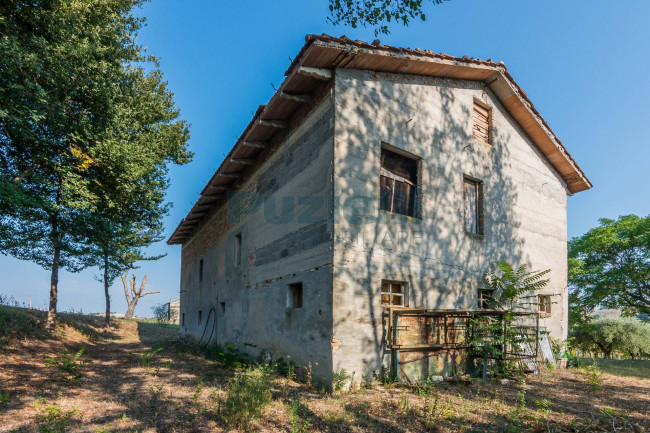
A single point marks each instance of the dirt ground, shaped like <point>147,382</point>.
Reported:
<point>126,387</point>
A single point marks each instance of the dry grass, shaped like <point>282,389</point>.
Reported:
<point>176,390</point>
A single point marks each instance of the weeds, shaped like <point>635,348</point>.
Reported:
<point>544,408</point>
<point>384,375</point>
<point>299,411</point>
<point>147,358</point>
<point>593,376</point>
<point>285,369</point>
<point>51,419</point>
<point>339,379</point>
<point>230,356</point>
<point>68,364</point>
<point>4,399</point>
<point>247,394</point>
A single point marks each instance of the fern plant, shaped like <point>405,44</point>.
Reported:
<point>513,286</point>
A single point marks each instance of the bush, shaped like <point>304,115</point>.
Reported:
<point>626,335</point>
<point>247,394</point>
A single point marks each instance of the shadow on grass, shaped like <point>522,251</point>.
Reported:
<point>623,367</point>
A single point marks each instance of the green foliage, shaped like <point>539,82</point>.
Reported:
<point>286,369</point>
<point>340,379</point>
<point>146,359</point>
<point>230,355</point>
<point>384,375</point>
<point>247,394</point>
<point>609,266</point>
<point>69,364</point>
<point>88,130</point>
<point>376,13</point>
<point>4,399</point>
<point>625,335</point>
<point>163,314</point>
<point>52,419</point>
<point>592,375</point>
<point>299,418</point>
<point>513,288</point>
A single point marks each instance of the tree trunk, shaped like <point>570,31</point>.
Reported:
<point>54,276</point>
<point>107,319</point>
<point>130,310</point>
<point>54,286</point>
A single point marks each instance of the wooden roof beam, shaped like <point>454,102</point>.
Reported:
<point>318,73</point>
<point>246,161</point>
<point>256,144</point>
<point>299,97</point>
<point>230,175</point>
<point>274,123</point>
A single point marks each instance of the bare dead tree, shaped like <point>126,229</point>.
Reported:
<point>132,295</point>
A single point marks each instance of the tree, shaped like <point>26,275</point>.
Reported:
<point>609,266</point>
<point>376,13</point>
<point>625,335</point>
<point>132,295</point>
<point>70,72</point>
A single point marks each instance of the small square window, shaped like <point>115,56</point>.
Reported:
<point>544,302</point>
<point>473,205</point>
<point>485,301</point>
<point>482,127</point>
<point>393,293</point>
<point>398,183</point>
<point>294,296</point>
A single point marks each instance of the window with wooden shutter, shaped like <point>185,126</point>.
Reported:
<point>482,128</point>
<point>397,183</point>
<point>473,205</point>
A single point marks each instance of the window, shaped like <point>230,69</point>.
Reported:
<point>544,304</point>
<point>485,299</point>
<point>238,249</point>
<point>473,205</point>
<point>201,270</point>
<point>393,293</point>
<point>482,128</point>
<point>200,314</point>
<point>222,305</point>
<point>294,296</point>
<point>397,183</point>
<point>183,319</point>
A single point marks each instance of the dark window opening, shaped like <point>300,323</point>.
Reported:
<point>183,319</point>
<point>200,314</point>
<point>482,128</point>
<point>393,293</point>
<point>238,249</point>
<point>485,301</point>
<point>294,296</point>
<point>222,305</point>
<point>473,205</point>
<point>201,270</point>
<point>544,304</point>
<point>398,183</point>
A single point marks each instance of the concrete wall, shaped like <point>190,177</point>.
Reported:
<point>285,224</point>
<point>524,206</point>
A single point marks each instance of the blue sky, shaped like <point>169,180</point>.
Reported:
<point>584,64</point>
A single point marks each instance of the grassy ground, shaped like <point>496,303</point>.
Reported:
<point>129,385</point>
<point>623,367</point>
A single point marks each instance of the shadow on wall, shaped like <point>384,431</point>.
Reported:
<point>442,264</point>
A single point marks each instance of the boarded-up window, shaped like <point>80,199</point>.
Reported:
<point>485,301</point>
<point>544,304</point>
<point>398,183</point>
<point>473,205</point>
<point>393,293</point>
<point>482,128</point>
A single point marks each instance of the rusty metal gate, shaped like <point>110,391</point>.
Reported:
<point>427,343</point>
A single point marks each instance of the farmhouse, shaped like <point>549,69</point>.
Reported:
<point>375,178</point>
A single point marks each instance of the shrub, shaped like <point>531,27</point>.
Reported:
<point>246,395</point>
<point>339,379</point>
<point>626,335</point>
<point>69,364</point>
<point>52,419</point>
<point>593,376</point>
